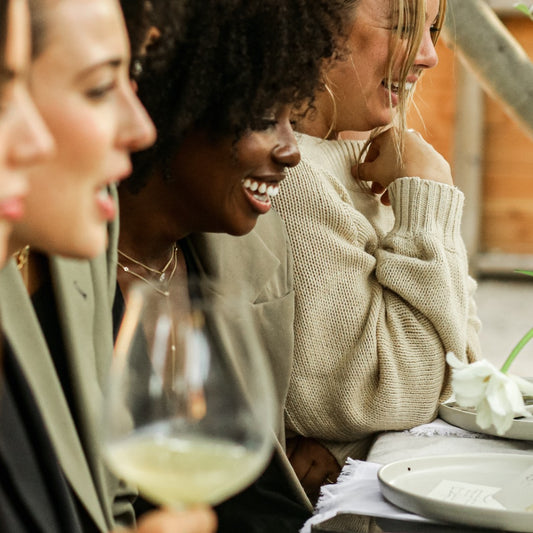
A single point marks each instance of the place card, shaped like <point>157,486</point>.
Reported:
<point>466,494</point>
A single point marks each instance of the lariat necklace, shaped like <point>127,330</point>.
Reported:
<point>173,260</point>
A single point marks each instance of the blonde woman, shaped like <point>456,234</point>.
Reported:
<point>382,291</point>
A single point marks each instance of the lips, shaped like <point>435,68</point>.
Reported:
<point>395,86</point>
<point>12,209</point>
<point>260,191</point>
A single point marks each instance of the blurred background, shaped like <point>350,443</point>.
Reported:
<point>492,159</point>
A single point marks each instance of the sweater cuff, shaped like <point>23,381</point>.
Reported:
<point>425,206</point>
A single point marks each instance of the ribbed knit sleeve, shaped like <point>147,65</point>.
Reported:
<point>382,293</point>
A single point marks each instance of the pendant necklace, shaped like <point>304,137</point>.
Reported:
<point>163,277</point>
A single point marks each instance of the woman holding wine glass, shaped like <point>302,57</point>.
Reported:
<point>221,92</point>
<point>52,476</point>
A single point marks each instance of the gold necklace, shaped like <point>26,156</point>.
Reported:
<point>21,257</point>
<point>162,273</point>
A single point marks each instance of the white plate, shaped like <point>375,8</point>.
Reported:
<point>409,484</point>
<point>521,428</point>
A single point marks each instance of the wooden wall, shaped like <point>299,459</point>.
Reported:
<point>507,156</point>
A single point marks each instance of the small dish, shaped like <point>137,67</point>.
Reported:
<point>490,490</point>
<point>521,428</point>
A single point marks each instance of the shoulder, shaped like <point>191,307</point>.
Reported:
<point>262,258</point>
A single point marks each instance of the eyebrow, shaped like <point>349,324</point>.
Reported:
<point>113,64</point>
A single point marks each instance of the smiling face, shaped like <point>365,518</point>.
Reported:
<point>360,83</point>
<point>24,139</point>
<point>81,87</point>
<point>223,186</point>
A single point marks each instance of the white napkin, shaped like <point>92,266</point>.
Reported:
<point>440,428</point>
<point>357,492</point>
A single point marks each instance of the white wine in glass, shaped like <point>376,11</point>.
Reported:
<point>188,413</point>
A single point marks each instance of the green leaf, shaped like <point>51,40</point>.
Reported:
<point>524,9</point>
<point>527,272</point>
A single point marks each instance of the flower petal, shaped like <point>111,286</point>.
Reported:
<point>525,386</point>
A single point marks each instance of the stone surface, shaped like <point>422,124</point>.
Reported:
<point>506,311</point>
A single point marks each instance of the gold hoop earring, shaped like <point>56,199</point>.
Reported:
<point>334,104</point>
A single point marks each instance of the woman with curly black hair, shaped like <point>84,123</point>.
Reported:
<point>221,83</point>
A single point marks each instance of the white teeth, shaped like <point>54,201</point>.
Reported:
<point>273,190</point>
<point>263,190</point>
<point>395,86</point>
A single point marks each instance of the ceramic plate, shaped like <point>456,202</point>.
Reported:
<point>480,490</point>
<point>521,428</point>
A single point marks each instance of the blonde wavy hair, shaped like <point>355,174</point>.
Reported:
<point>409,26</point>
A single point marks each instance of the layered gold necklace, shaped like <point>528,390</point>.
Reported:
<point>164,277</point>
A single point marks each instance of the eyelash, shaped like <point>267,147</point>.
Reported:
<point>99,93</point>
<point>403,31</point>
<point>267,123</point>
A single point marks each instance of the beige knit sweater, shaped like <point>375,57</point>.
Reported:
<point>382,293</point>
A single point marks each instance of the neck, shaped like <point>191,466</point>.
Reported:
<point>149,223</point>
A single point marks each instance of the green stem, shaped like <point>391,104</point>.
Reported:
<point>516,350</point>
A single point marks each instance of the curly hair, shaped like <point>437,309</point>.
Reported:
<point>222,65</point>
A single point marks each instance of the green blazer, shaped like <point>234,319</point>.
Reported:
<point>83,292</point>
<point>263,259</point>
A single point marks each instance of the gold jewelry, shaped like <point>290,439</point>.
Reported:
<point>162,273</point>
<point>21,257</point>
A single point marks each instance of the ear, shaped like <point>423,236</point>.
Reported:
<point>152,36</point>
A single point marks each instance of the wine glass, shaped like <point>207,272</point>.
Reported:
<point>189,410</point>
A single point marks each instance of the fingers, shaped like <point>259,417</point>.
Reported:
<point>385,200</point>
<point>300,460</point>
<point>418,159</point>
<point>198,520</point>
<point>314,465</point>
<point>377,188</point>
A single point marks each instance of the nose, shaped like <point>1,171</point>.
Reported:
<point>137,130</point>
<point>427,54</point>
<point>31,142</point>
<point>286,152</point>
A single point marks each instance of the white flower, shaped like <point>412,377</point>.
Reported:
<point>497,397</point>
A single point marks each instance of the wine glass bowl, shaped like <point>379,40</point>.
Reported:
<point>189,408</point>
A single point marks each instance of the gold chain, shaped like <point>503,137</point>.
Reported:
<point>162,277</point>
<point>161,273</point>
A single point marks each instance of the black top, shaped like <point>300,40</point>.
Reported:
<point>34,494</point>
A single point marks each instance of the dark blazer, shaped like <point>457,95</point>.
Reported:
<point>83,292</point>
<point>263,259</point>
